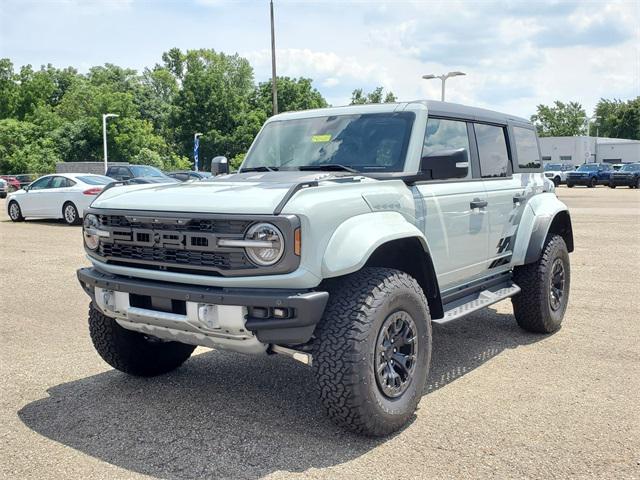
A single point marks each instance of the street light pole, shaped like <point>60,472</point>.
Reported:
<point>443,79</point>
<point>196,147</point>
<point>274,88</point>
<point>104,135</point>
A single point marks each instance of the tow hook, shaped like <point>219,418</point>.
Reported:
<point>301,357</point>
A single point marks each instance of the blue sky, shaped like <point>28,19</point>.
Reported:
<point>516,54</point>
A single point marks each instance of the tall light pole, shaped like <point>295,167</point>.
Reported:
<point>443,78</point>
<point>196,147</point>
<point>274,88</point>
<point>104,135</point>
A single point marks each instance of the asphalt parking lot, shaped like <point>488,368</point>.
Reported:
<point>499,403</point>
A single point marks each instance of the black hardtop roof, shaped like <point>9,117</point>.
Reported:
<point>464,111</point>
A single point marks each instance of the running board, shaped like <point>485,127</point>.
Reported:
<point>476,301</point>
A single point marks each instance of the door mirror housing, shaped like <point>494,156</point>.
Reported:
<point>26,188</point>
<point>219,166</point>
<point>445,164</point>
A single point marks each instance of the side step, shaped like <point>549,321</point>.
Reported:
<point>476,301</point>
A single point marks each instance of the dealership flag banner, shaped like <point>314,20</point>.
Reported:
<point>196,146</point>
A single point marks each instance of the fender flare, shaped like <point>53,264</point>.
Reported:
<point>543,214</point>
<point>355,239</point>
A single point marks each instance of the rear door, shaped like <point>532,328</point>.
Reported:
<point>454,215</point>
<point>507,193</point>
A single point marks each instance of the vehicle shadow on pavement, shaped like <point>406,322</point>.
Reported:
<point>231,416</point>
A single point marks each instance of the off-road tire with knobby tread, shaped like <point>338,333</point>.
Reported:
<point>345,343</point>
<point>131,352</point>
<point>531,306</point>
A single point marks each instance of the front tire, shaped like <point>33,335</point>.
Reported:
<point>372,350</point>
<point>569,185</point>
<point>132,352</point>
<point>70,214</point>
<point>556,181</point>
<point>15,213</point>
<point>542,302</point>
<point>592,183</point>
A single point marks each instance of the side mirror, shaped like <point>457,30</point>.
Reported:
<point>445,164</point>
<point>219,166</point>
<point>26,188</point>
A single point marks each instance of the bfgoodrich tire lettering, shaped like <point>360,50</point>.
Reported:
<point>132,352</point>
<point>344,350</point>
<point>539,307</point>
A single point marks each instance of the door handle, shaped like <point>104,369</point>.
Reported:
<point>477,203</point>
<point>519,198</point>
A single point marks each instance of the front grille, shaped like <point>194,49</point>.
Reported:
<point>187,243</point>
<point>218,260</point>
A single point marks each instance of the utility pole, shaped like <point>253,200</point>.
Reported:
<point>274,88</point>
<point>443,78</point>
<point>104,135</point>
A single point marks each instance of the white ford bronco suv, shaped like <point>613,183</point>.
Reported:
<point>345,234</point>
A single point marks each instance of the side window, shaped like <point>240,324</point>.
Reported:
<point>443,134</point>
<point>41,183</point>
<point>70,183</point>
<point>492,150</point>
<point>58,182</point>
<point>526,147</point>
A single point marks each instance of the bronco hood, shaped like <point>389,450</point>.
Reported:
<point>250,193</point>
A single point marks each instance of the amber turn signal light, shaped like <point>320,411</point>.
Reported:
<point>297,243</point>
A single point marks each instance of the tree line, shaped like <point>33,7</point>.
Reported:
<point>611,118</point>
<point>53,115</point>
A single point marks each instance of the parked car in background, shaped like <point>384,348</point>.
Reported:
<point>628,175</point>
<point>185,175</point>
<point>557,172</point>
<point>25,179</point>
<point>138,174</point>
<point>590,175</point>
<point>13,183</point>
<point>3,188</point>
<point>64,196</point>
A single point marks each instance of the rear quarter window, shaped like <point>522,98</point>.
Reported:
<point>526,148</point>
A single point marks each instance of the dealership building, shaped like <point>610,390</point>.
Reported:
<point>582,149</point>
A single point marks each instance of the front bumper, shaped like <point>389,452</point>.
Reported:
<point>579,180</point>
<point>623,181</point>
<point>176,307</point>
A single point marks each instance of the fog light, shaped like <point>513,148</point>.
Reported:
<point>281,312</point>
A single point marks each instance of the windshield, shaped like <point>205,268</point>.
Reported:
<point>146,171</point>
<point>587,168</point>
<point>553,166</point>
<point>633,167</point>
<point>96,180</point>
<point>365,143</point>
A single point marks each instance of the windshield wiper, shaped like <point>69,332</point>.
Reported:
<point>261,168</point>
<point>328,167</point>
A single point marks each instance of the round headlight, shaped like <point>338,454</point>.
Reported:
<point>268,255</point>
<point>91,239</point>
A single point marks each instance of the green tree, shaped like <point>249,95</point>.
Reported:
<point>619,119</point>
<point>559,120</point>
<point>293,94</point>
<point>358,97</point>
<point>215,98</point>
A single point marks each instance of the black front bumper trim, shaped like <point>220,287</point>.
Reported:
<point>308,305</point>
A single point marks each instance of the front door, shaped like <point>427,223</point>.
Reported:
<point>454,215</point>
<point>33,202</point>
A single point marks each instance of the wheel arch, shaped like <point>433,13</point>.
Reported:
<point>559,223</point>
<point>383,239</point>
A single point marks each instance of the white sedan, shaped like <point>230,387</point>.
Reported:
<point>63,195</point>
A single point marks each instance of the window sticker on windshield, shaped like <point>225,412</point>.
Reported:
<point>321,138</point>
